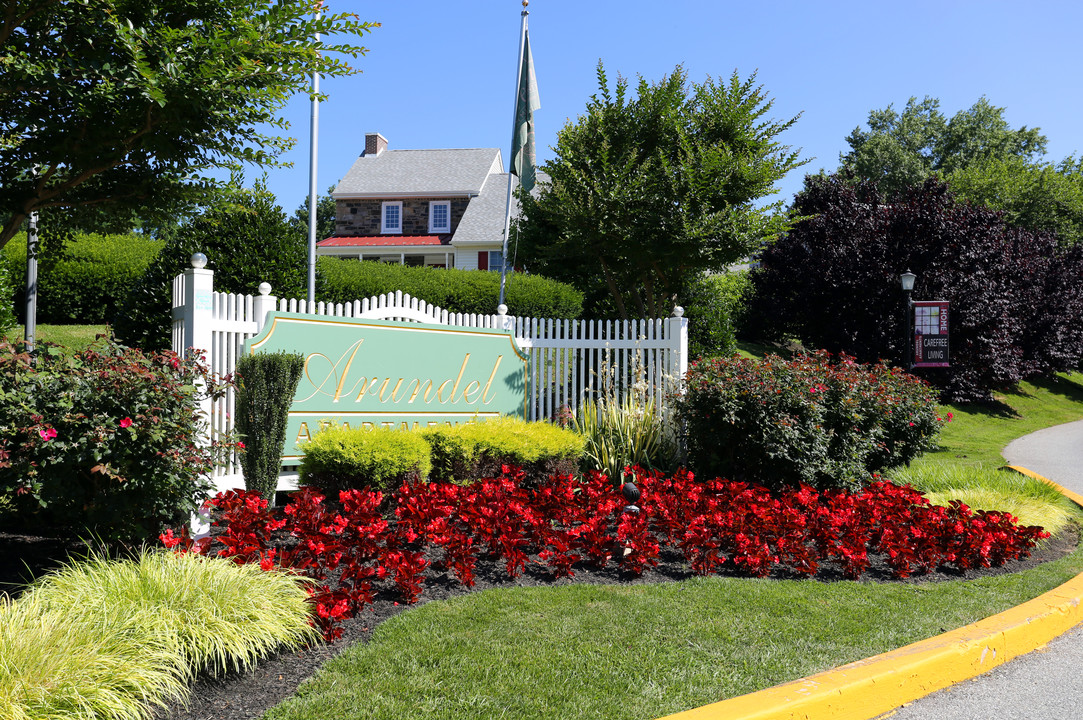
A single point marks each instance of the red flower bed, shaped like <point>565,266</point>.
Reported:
<point>566,521</point>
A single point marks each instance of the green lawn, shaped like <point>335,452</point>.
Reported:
<point>977,433</point>
<point>639,651</point>
<point>73,337</point>
<point>649,650</point>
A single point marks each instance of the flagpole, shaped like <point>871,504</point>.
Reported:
<point>314,132</point>
<point>511,160</point>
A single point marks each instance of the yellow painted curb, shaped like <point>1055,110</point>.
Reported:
<point>868,688</point>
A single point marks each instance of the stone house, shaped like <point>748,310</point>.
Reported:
<point>439,208</point>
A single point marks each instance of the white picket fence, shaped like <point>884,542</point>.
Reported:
<point>569,361</point>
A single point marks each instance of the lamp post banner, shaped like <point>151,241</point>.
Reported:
<point>930,333</point>
<point>376,373</point>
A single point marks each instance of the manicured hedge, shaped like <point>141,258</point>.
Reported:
<point>461,291</point>
<point>467,452</point>
<point>84,286</point>
<point>343,458</point>
<point>810,420</point>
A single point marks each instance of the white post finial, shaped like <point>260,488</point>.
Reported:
<point>199,261</point>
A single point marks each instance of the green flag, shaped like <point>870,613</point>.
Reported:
<point>522,141</point>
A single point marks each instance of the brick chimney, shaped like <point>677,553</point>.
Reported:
<point>375,143</point>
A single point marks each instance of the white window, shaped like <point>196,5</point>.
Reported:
<point>496,260</point>
<point>439,216</point>
<point>392,218</point>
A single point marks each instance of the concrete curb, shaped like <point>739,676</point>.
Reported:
<point>868,688</point>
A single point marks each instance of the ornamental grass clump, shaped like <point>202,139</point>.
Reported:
<point>210,613</point>
<point>623,426</point>
<point>623,433</point>
<point>1029,500</point>
<point>56,666</point>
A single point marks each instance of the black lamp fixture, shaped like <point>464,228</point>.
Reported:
<point>907,279</point>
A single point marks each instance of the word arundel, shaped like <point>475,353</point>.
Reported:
<point>373,373</point>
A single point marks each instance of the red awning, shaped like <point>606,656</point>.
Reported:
<point>383,240</point>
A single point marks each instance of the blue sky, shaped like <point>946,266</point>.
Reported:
<point>441,75</point>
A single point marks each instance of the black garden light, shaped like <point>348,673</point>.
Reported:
<point>907,279</point>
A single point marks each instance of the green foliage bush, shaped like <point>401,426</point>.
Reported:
<point>714,306</point>
<point>91,276</point>
<point>266,384</point>
<point>247,241</point>
<point>343,458</point>
<point>461,291</point>
<point>807,420</point>
<point>463,453</point>
<point>103,440</point>
<point>8,298</point>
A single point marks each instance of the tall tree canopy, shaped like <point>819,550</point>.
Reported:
<point>833,281</point>
<point>247,240</point>
<point>646,192</point>
<point>126,104</point>
<point>900,150</point>
<point>1037,196</point>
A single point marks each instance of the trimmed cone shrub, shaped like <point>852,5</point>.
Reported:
<point>266,386</point>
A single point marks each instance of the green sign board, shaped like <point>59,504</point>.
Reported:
<point>375,373</point>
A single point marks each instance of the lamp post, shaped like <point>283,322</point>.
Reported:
<point>907,279</point>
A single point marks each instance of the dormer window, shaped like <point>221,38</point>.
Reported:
<point>392,218</point>
<point>440,216</point>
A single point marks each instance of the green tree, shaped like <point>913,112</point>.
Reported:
<point>325,217</point>
<point>647,192</point>
<point>900,150</point>
<point>126,105</point>
<point>246,241</point>
<point>1034,196</point>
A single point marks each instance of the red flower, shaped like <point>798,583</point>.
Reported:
<point>126,422</point>
<point>47,435</point>
<point>240,446</point>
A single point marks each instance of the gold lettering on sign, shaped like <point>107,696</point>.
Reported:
<point>339,380</point>
<point>474,387</point>
<point>484,395</point>
<point>303,434</point>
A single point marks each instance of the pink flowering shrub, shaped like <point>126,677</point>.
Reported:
<point>718,525</point>
<point>102,440</point>
<point>814,419</point>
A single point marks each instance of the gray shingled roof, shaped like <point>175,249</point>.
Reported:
<point>483,221</point>
<point>419,173</point>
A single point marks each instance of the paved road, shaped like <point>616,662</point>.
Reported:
<point>1046,684</point>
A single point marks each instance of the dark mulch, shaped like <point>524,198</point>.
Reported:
<point>239,696</point>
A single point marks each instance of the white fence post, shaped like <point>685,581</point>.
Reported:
<point>678,330</point>
<point>198,305</point>
<point>262,305</point>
